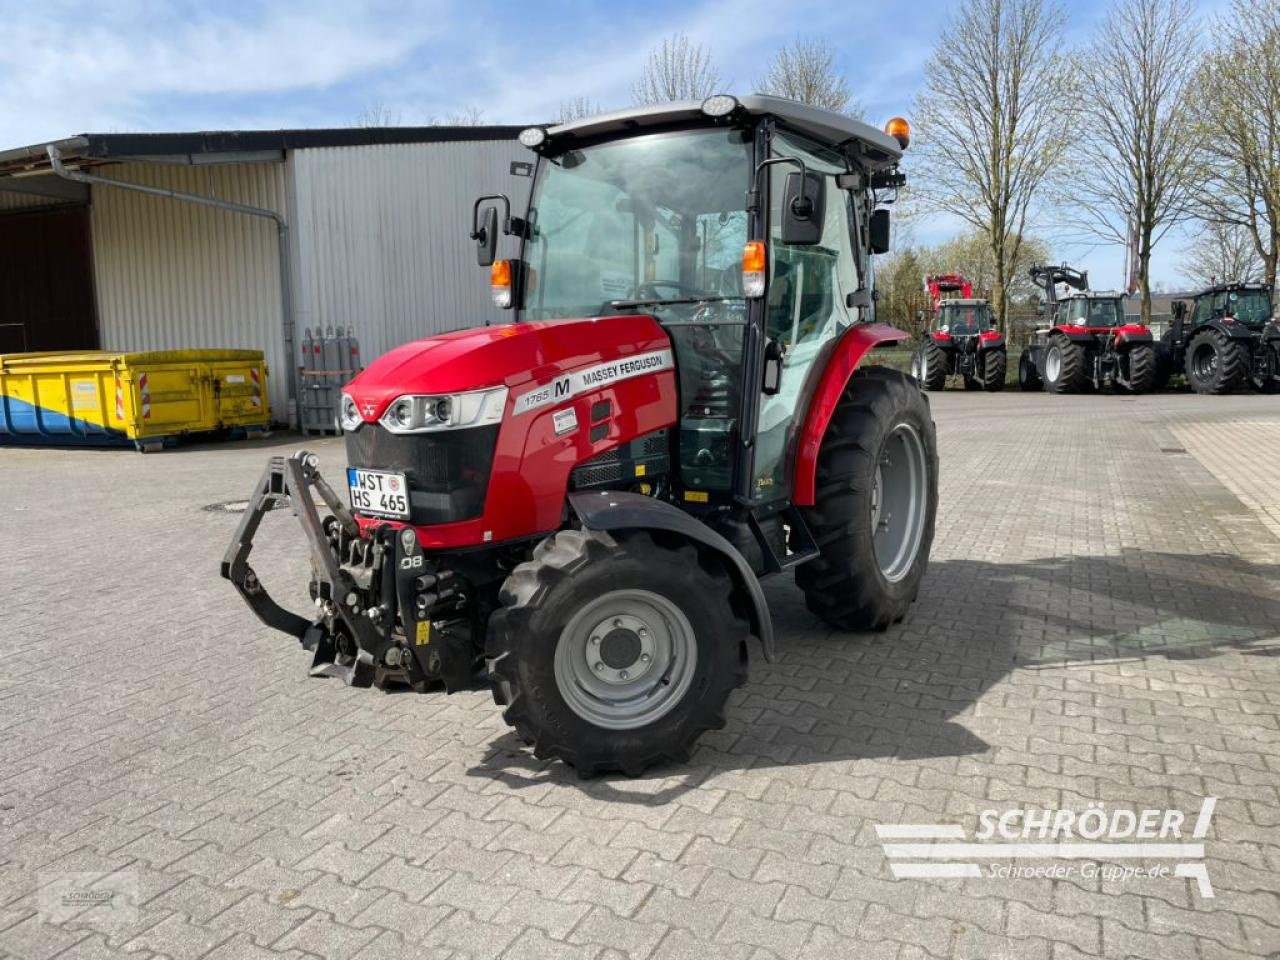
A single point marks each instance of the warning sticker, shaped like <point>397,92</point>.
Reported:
<point>593,378</point>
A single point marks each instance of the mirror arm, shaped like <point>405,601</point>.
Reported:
<point>753,195</point>
<point>476,232</point>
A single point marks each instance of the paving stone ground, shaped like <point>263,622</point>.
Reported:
<point>1100,624</point>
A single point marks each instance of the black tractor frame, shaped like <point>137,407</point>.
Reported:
<point>1218,351</point>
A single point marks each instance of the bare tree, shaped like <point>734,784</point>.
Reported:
<point>469,116</point>
<point>1223,252</point>
<point>1134,168</point>
<point>805,71</point>
<point>676,70</point>
<point>377,115</point>
<point>577,108</point>
<point>994,122</point>
<point>1237,104</point>
<point>970,255</point>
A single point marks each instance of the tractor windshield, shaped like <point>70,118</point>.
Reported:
<point>1101,312</point>
<point>963,319</point>
<point>657,218</point>
<point>1250,307</point>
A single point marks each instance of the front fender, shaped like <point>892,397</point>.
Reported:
<point>617,510</point>
<point>853,345</point>
<point>1234,331</point>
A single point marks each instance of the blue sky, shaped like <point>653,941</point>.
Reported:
<point>68,66</point>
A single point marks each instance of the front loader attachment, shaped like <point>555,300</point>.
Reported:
<point>290,480</point>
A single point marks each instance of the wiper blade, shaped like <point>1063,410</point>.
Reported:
<point>666,301</point>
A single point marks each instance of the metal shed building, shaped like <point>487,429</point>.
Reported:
<point>242,239</point>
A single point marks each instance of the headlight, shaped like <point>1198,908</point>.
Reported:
<point>417,413</point>
<point>348,415</point>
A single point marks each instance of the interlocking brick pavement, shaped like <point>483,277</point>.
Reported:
<point>1100,623</point>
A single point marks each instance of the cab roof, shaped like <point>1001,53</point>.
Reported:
<point>1224,287</point>
<point>877,150</point>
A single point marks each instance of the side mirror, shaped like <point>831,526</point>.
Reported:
<point>994,323</point>
<point>803,208</point>
<point>919,316</point>
<point>1040,310</point>
<point>486,237</point>
<point>878,232</point>
<point>773,354</point>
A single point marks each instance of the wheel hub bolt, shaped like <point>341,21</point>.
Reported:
<point>645,658</point>
<point>595,641</point>
<point>599,668</point>
<point>617,623</point>
<point>622,674</point>
<point>642,632</point>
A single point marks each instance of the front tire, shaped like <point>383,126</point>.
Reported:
<point>1028,376</point>
<point>995,365</point>
<point>615,654</point>
<point>1215,363</point>
<point>1063,366</point>
<point>875,504</point>
<point>929,366</point>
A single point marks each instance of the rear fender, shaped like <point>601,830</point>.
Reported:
<point>855,344</point>
<point>616,510</point>
<point>991,340</point>
<point>1233,330</point>
<point>1074,334</point>
<point>1132,333</point>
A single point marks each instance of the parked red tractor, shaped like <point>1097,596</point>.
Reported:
<point>961,339</point>
<point>583,501</point>
<point>1087,343</point>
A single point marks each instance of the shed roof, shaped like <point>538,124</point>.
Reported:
<point>226,146</point>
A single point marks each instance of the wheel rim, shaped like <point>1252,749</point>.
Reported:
<point>1053,364</point>
<point>899,497</point>
<point>917,367</point>
<point>625,659</point>
<point>1204,361</point>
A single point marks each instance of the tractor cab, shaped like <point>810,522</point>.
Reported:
<point>1248,304</point>
<point>744,228</point>
<point>963,318</point>
<point>1090,311</point>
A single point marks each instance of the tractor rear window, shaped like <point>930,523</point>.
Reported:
<point>659,217</point>
<point>962,320</point>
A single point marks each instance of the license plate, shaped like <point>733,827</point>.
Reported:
<point>378,493</point>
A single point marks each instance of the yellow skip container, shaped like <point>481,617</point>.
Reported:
<point>100,398</point>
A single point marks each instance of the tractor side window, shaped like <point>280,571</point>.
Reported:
<point>806,308</point>
<point>1203,311</point>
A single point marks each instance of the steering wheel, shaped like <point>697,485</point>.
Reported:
<point>649,289</point>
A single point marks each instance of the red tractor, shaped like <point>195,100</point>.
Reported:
<point>961,340</point>
<point>581,503</point>
<point>1087,344</point>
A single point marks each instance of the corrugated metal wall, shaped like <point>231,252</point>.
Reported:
<point>173,275</point>
<point>10,202</point>
<point>381,237</point>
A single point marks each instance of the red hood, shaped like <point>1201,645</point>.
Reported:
<point>496,356</point>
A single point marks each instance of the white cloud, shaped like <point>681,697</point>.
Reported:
<point>68,67</point>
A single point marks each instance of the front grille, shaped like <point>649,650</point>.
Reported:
<point>447,471</point>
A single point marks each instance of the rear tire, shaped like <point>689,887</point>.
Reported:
<point>1215,363</point>
<point>1028,376</point>
<point>1142,368</point>
<point>1063,366</point>
<point>584,612</point>
<point>929,366</point>
<point>875,504</point>
<point>995,366</point>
